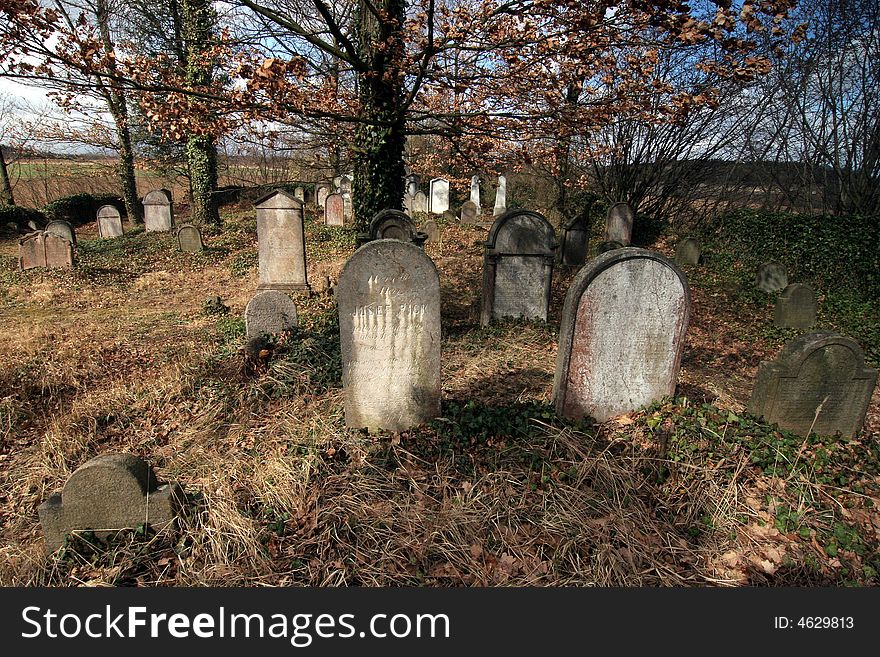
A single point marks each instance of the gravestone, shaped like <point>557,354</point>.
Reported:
<point>688,251</point>
<point>158,211</point>
<point>439,195</point>
<point>321,196</point>
<point>109,222</point>
<point>575,240</point>
<point>189,239</point>
<point>334,210</point>
<point>44,250</point>
<point>623,326</point>
<point>393,225</point>
<point>281,239</point>
<point>518,267</point>
<point>407,204</point>
<point>347,209</point>
<point>62,229</point>
<point>818,382</point>
<point>771,277</point>
<point>469,212</point>
<point>389,325</point>
<point>475,192</point>
<point>605,247</point>
<point>344,185</point>
<point>500,197</point>
<point>420,202</point>
<point>619,223</point>
<point>432,231</point>
<point>269,312</point>
<point>796,307</point>
<point>107,494</point>
<point>59,251</point>
<point>299,194</point>
<point>412,185</point>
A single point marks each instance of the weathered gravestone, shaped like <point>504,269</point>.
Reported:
<point>347,209</point>
<point>518,267</point>
<point>475,192</point>
<point>393,225</point>
<point>109,222</point>
<point>432,231</point>
<point>268,312</point>
<point>688,251</point>
<point>500,197</point>
<point>619,223</point>
<point>321,196</point>
<point>818,383</point>
<point>334,210</point>
<point>282,246</point>
<point>771,277</point>
<point>158,211</point>
<point>439,189</point>
<point>189,239</point>
<point>41,249</point>
<point>420,202</point>
<point>620,342</point>
<point>412,185</point>
<point>344,185</point>
<point>107,494</point>
<point>605,247</point>
<point>469,211</point>
<point>575,238</point>
<point>299,194</point>
<point>796,307</point>
<point>389,325</point>
<point>62,229</point>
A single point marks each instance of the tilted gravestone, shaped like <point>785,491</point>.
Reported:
<point>819,383</point>
<point>518,267</point>
<point>771,277</point>
<point>623,326</point>
<point>420,202</point>
<point>575,239</point>
<point>500,197</point>
<point>189,239</point>
<point>334,210</point>
<point>389,324</point>
<point>432,231</point>
<point>688,251</point>
<point>321,196</point>
<point>158,211</point>
<point>619,223</point>
<point>796,307</point>
<point>44,250</point>
<point>62,229</point>
<point>269,312</point>
<point>282,246</point>
<point>469,212</point>
<point>109,222</point>
<point>107,494</point>
<point>439,189</point>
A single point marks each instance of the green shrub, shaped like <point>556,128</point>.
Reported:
<point>15,214</point>
<point>80,209</point>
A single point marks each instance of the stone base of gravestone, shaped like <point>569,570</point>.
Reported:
<point>268,313</point>
<point>688,252</point>
<point>108,494</point>
<point>771,277</point>
<point>796,307</point>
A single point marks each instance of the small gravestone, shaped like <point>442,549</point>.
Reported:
<point>469,213</point>
<point>158,211</point>
<point>432,231</point>
<point>605,247</point>
<point>321,196</point>
<point>347,209</point>
<point>269,312</point>
<point>334,210</point>
<point>299,194</point>
<point>575,238</point>
<point>189,239</point>
<point>796,307</point>
<point>518,267</point>
<point>688,252</point>
<point>475,193</point>
<point>62,229</point>
<point>771,277</point>
<point>107,494</point>
<point>623,325</point>
<point>389,324</point>
<point>109,222</point>
<point>818,383</point>
<point>44,250</point>
<point>420,202</point>
<point>500,197</point>
<point>619,223</point>
<point>412,185</point>
<point>281,240</point>
<point>439,189</point>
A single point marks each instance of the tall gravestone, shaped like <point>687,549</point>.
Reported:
<point>389,325</point>
<point>623,326</point>
<point>575,241</point>
<point>439,196</point>
<point>334,210</point>
<point>619,223</point>
<point>475,192</point>
<point>321,196</point>
<point>109,222</point>
<point>500,197</point>
<point>109,493</point>
<point>420,202</point>
<point>189,239</point>
<point>282,247</point>
<point>347,209</point>
<point>158,211</point>
<point>44,250</point>
<point>62,229</point>
<point>688,251</point>
<point>796,307</point>
<point>771,277</point>
<point>518,267</point>
<point>818,383</point>
<point>269,312</point>
<point>469,213</point>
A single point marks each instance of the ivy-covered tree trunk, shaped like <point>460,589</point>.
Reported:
<point>379,144</point>
<point>6,197</point>
<point>199,20</point>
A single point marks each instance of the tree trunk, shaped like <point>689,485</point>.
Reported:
<point>379,145</point>
<point>5,186</point>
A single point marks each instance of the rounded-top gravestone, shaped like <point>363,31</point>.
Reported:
<point>688,251</point>
<point>109,222</point>
<point>62,229</point>
<point>771,277</point>
<point>796,307</point>
<point>158,212</point>
<point>269,312</point>
<point>189,239</point>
